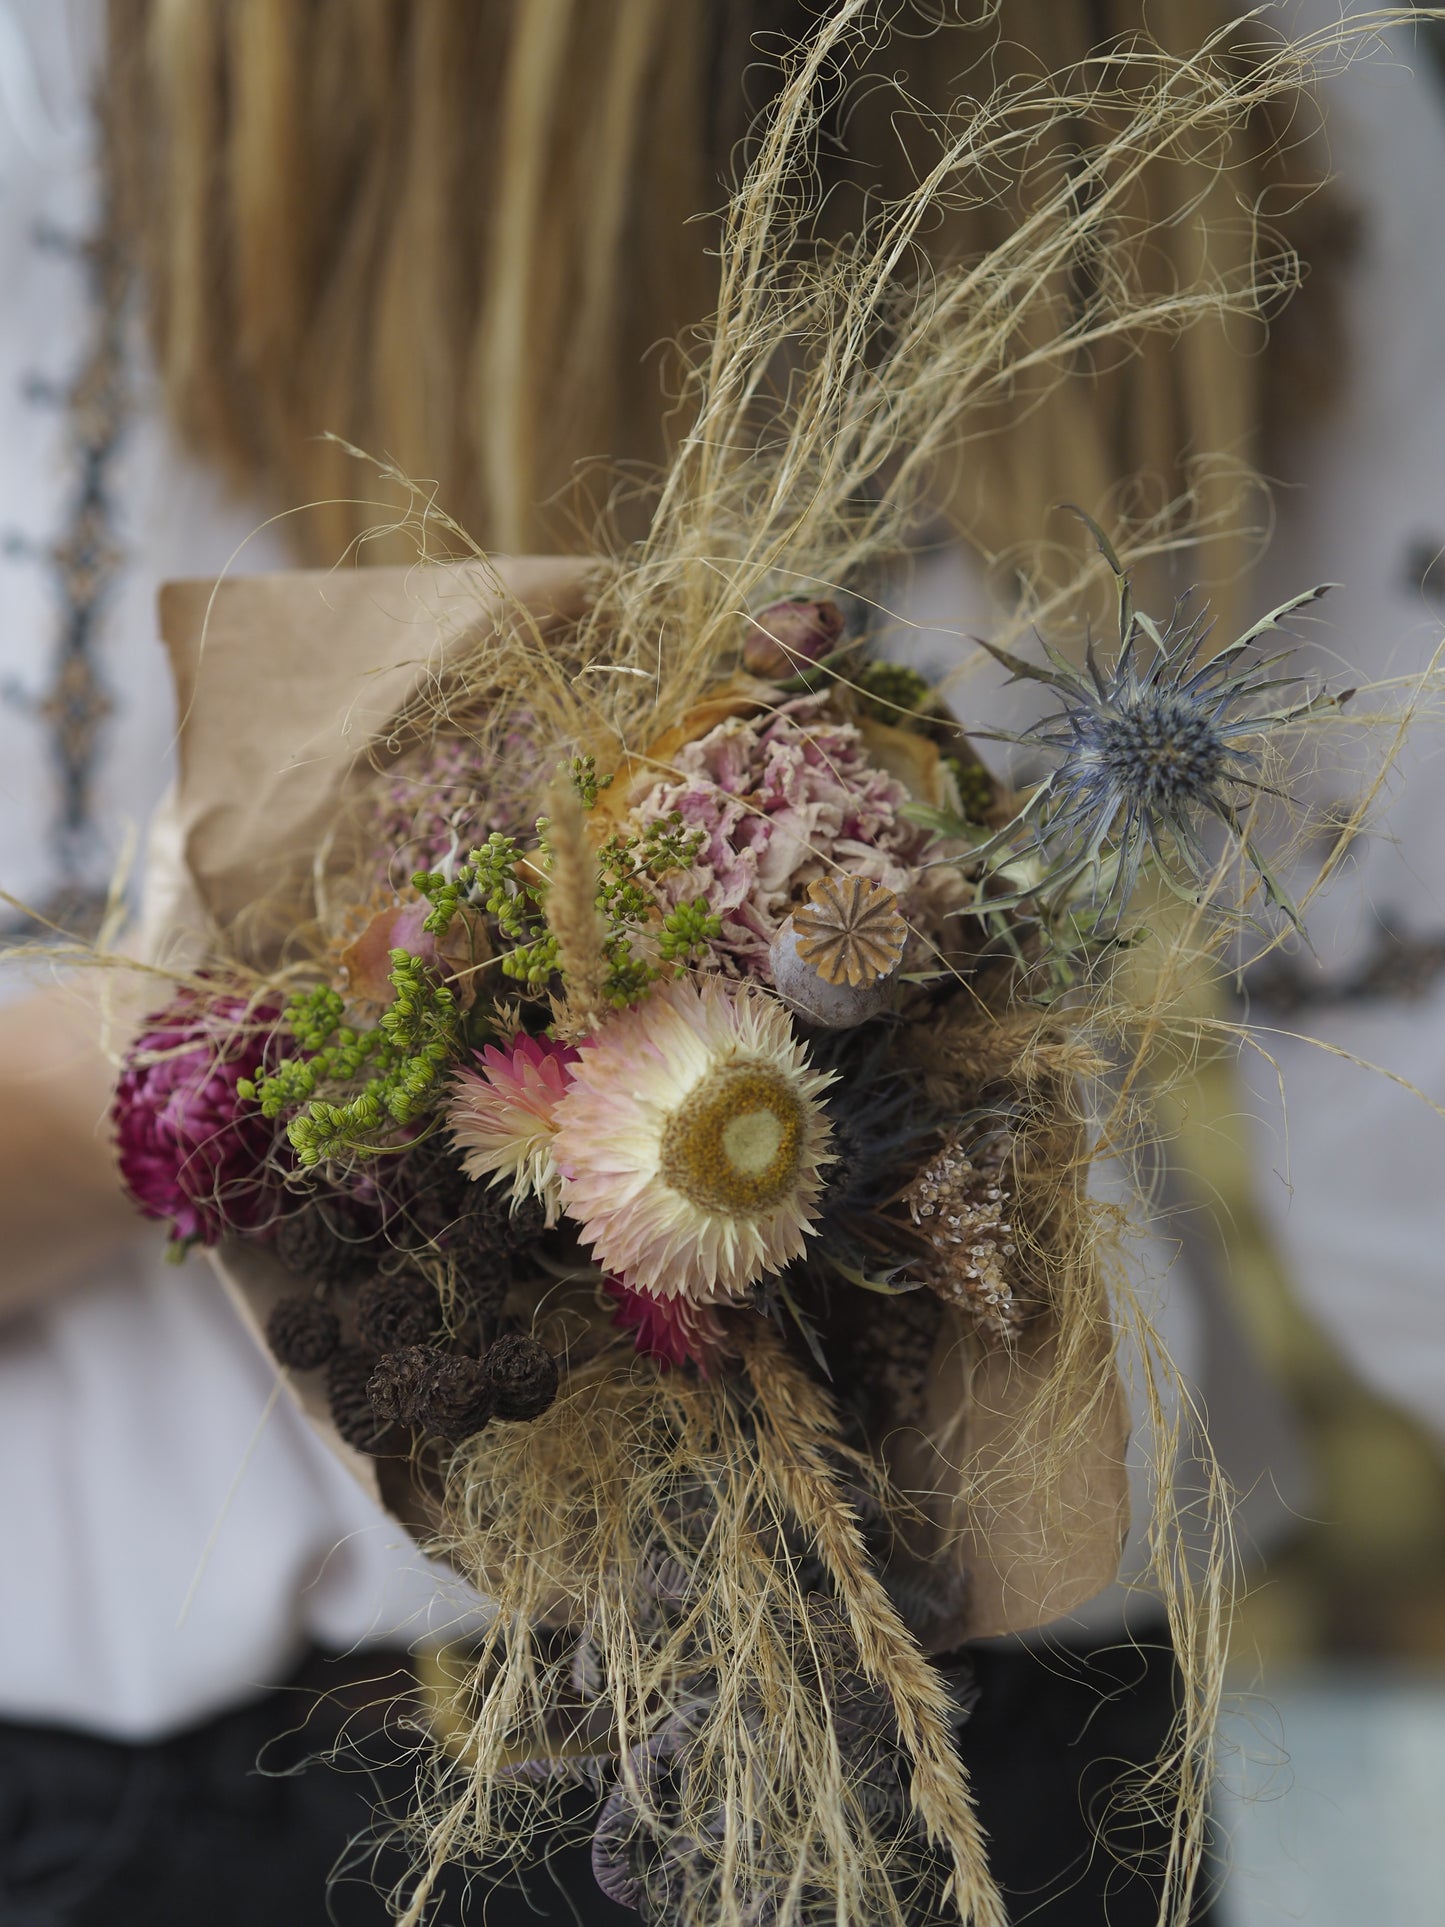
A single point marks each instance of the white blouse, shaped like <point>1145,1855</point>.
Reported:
<point>1352,1162</point>
<point>171,1535</point>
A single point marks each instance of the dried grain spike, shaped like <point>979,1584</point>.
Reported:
<point>850,931</point>
<point>570,907</point>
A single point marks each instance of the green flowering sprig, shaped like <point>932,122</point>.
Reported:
<point>628,864</point>
<point>687,931</point>
<point>400,1059</point>
<point>489,880</point>
<point>890,692</point>
<point>628,867</point>
<point>496,878</point>
<point>587,782</point>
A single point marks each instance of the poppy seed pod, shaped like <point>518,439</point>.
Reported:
<point>810,995</point>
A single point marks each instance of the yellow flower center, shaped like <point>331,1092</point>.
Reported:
<point>736,1144</point>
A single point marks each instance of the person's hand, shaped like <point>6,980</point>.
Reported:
<point>61,1202</point>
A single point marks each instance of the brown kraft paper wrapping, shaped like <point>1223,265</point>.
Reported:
<point>286,685</point>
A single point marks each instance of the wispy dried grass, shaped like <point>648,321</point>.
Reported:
<point>559,1519</point>
<point>838,384</point>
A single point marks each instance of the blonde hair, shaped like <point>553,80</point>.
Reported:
<point>458,234</point>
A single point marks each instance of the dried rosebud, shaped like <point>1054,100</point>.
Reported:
<point>787,636</point>
<point>522,1374</point>
<point>393,1312</point>
<point>402,1382</point>
<point>347,1377</point>
<point>302,1333</point>
<point>459,1400</point>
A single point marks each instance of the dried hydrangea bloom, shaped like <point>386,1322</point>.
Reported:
<point>691,1142</point>
<point>782,800</point>
<point>442,799</point>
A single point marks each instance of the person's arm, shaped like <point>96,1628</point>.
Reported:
<point>60,1197</point>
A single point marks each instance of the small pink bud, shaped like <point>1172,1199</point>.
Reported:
<point>787,636</point>
<point>367,961</point>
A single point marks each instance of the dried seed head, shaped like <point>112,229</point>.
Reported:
<point>957,1201</point>
<point>319,1243</point>
<point>402,1382</point>
<point>347,1377</point>
<point>850,931</point>
<point>459,1400</point>
<point>394,1312</point>
<point>522,1375</point>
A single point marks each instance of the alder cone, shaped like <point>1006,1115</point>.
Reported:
<point>302,1333</point>
<point>394,1312</point>
<point>347,1378</point>
<point>522,1374</point>
<point>459,1400</point>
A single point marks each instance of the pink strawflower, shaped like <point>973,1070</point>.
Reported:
<point>691,1143</point>
<point>674,1331</point>
<point>190,1149</point>
<point>782,799</point>
<point>504,1117</point>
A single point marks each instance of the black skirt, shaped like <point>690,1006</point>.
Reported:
<point>248,1821</point>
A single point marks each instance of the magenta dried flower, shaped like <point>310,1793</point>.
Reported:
<point>674,1331</point>
<point>191,1150</point>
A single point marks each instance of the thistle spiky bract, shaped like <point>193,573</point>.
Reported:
<point>1148,749</point>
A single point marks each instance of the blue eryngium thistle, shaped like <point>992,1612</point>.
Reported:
<point>1149,748</point>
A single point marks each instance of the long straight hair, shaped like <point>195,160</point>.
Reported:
<point>460,234</point>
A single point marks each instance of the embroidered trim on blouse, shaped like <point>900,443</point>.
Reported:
<point>84,561</point>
